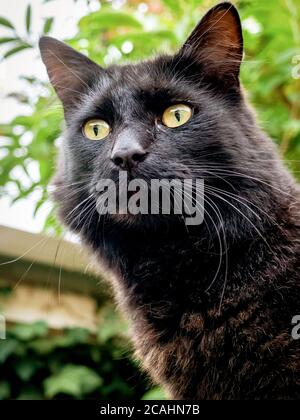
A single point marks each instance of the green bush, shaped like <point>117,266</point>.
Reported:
<point>37,363</point>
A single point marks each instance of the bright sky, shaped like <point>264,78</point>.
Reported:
<point>66,14</point>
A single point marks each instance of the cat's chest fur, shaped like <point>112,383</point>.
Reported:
<point>205,340</point>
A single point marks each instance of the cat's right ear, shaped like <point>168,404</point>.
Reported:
<point>216,44</point>
<point>70,72</point>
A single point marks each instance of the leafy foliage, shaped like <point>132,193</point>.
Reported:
<point>72,380</point>
<point>37,363</point>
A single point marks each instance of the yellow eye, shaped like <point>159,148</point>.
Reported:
<point>96,129</point>
<point>177,115</point>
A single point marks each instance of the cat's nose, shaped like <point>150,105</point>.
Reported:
<point>128,158</point>
<point>127,152</point>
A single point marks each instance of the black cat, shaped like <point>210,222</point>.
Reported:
<point>210,305</point>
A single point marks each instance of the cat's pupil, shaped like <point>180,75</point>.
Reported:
<point>96,130</point>
<point>177,115</point>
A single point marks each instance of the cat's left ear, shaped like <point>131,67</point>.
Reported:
<point>216,44</point>
<point>70,72</point>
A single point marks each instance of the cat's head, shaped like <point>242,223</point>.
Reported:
<point>178,116</point>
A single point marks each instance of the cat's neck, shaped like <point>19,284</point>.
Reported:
<point>186,268</point>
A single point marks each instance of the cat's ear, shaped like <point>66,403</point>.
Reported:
<point>217,43</point>
<point>70,72</point>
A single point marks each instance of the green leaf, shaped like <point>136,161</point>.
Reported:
<point>5,291</point>
<point>109,20</point>
<point>48,25</point>
<point>71,337</point>
<point>154,394</point>
<point>26,368</point>
<point>16,50</point>
<point>73,380</point>
<point>28,18</point>
<point>4,390</point>
<point>6,23</point>
<point>78,335</point>
<point>26,332</point>
<point>153,37</point>
<point>5,40</point>
<point>7,348</point>
<point>174,6</point>
<point>111,325</point>
<point>30,393</point>
<point>38,206</point>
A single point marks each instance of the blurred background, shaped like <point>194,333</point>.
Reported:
<point>59,334</point>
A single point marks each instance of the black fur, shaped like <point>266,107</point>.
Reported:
<point>210,305</point>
